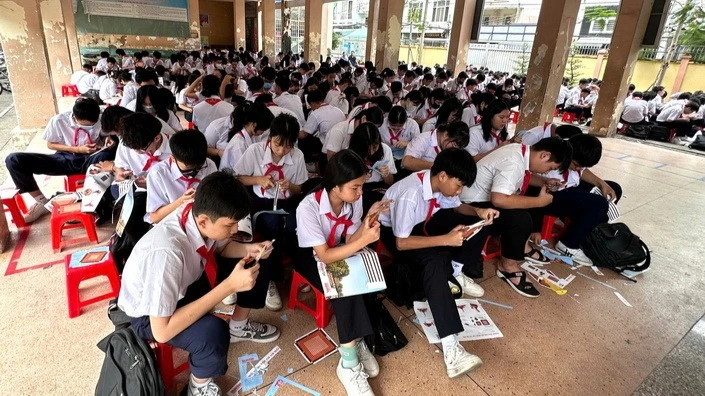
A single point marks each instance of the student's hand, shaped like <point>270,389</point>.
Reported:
<point>554,184</point>
<point>243,279</point>
<point>123,174</point>
<point>188,195</point>
<point>544,197</point>
<point>608,191</point>
<point>516,139</point>
<point>535,237</point>
<point>265,181</point>
<point>379,207</point>
<point>401,144</point>
<point>488,215</point>
<point>108,143</point>
<point>370,230</point>
<point>87,149</point>
<point>383,170</point>
<point>141,181</point>
<point>253,249</point>
<point>456,236</point>
<point>284,185</point>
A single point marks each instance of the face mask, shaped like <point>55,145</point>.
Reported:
<point>267,86</point>
<point>149,109</point>
<point>86,127</point>
<point>189,173</point>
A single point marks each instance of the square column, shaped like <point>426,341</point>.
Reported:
<point>71,37</point>
<point>372,24</point>
<point>463,16</point>
<point>56,42</point>
<point>286,26</point>
<point>389,34</point>
<point>628,33</point>
<point>239,23</point>
<point>313,11</point>
<point>554,33</point>
<point>22,38</point>
<point>268,31</point>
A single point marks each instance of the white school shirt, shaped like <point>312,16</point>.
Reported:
<point>535,134</point>
<point>337,99</point>
<point>463,94</point>
<point>293,103</point>
<point>424,147</point>
<point>652,106</point>
<point>501,171</point>
<point>148,62</point>
<point>313,226</point>
<point>235,149</point>
<point>339,136</point>
<point>430,124</point>
<point>563,94</point>
<point>256,160</point>
<point>210,109</point>
<point>177,69</point>
<point>166,184</point>
<point>477,144</point>
<point>127,158</point>
<point>386,156</point>
<point>77,76</point>
<point>670,113</point>
<point>86,83</point>
<point>396,98</point>
<point>164,264</point>
<point>574,94</point>
<point>425,111</point>
<point>217,132</point>
<point>470,116</point>
<point>452,86</point>
<point>97,83</point>
<point>129,93</point>
<point>128,62</point>
<point>569,176</point>
<point>322,120</point>
<point>62,129</point>
<point>102,64</point>
<point>408,132</point>
<point>173,121</point>
<point>635,110</point>
<point>357,109</point>
<point>276,110</point>
<point>107,89</point>
<point>412,201</point>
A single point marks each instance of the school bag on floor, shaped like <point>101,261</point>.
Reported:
<point>386,336</point>
<point>659,133</point>
<point>614,246</point>
<point>699,143</point>
<point>638,131</point>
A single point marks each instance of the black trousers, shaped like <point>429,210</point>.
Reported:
<point>434,266</point>
<point>513,226</point>
<point>351,313</point>
<point>683,128</point>
<point>23,166</point>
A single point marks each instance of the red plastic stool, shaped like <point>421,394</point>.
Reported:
<point>69,90</point>
<point>556,112</point>
<point>495,254</point>
<point>88,264</point>
<point>165,361</point>
<point>568,117</point>
<point>323,311</point>
<point>549,225</point>
<point>514,117</point>
<point>61,215</point>
<point>16,206</point>
<point>671,134</point>
<point>623,129</point>
<point>73,182</point>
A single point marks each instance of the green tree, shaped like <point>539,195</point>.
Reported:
<point>573,66</point>
<point>600,14</point>
<point>521,64</point>
<point>337,39</point>
<point>692,17</point>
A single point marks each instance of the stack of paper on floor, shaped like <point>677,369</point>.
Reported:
<point>477,324</point>
<point>548,275</point>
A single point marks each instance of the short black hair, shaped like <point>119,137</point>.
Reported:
<point>396,86</point>
<point>587,150</point>
<point>255,83</point>
<point>343,167</point>
<point>110,119</point>
<point>363,137</point>
<point>583,81</point>
<point>221,194</point>
<point>190,147</point>
<point>125,76</point>
<point>138,130</point>
<point>104,54</point>
<point>210,86</point>
<point>286,127</point>
<point>456,162</point>
<point>637,94</point>
<point>86,109</point>
<point>383,102</point>
<point>146,75</point>
<point>373,115</point>
<point>458,132</point>
<point>283,83</point>
<point>438,93</point>
<point>315,97</point>
<point>693,105</point>
<point>560,150</point>
<point>567,131</point>
<point>397,115</point>
<point>251,112</point>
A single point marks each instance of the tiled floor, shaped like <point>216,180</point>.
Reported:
<point>584,343</point>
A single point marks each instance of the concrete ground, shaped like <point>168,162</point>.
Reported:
<point>586,342</point>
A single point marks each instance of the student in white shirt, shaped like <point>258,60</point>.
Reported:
<point>330,225</point>
<point>431,105</point>
<point>563,94</point>
<point>321,120</point>
<point>396,92</point>
<point>171,283</point>
<point>107,88</point>
<point>212,107</point>
<point>449,112</point>
<point>336,96</point>
<point>129,88</point>
<point>77,76</point>
<point>425,231</point>
<point>578,105</point>
<point>157,102</point>
<point>249,120</point>
<point>455,85</point>
<point>217,134</point>
<point>103,61</point>
<point>74,135</point>
<point>127,63</point>
<point>503,177</point>
<point>679,117</point>
<point>181,67</point>
<point>86,82</point>
<point>397,131</point>
<point>288,101</point>
<point>173,183</point>
<point>422,151</point>
<point>339,136</point>
<point>636,109</point>
<point>464,93</point>
<point>491,132</point>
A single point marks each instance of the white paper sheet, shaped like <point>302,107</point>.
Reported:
<point>477,324</point>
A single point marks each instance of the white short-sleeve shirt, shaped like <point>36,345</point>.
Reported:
<point>322,120</point>
<point>313,227</point>
<point>430,124</point>
<point>339,136</point>
<point>210,109</point>
<point>257,160</point>
<point>535,134</point>
<point>127,158</point>
<point>501,171</point>
<point>293,103</point>
<point>635,110</point>
<point>86,82</point>
<point>166,184</point>
<point>389,158</point>
<point>477,144</point>
<point>217,132</point>
<point>470,116</point>
<point>569,176</point>
<point>164,263</point>
<point>234,149</point>
<point>408,132</point>
<point>62,129</point>
<point>412,201</point>
<point>424,147</point>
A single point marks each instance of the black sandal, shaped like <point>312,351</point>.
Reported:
<point>524,288</point>
<point>540,260</point>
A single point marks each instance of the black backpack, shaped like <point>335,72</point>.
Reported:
<point>129,367</point>
<point>659,133</point>
<point>699,143</point>
<point>638,131</point>
<point>614,246</point>
<point>386,336</point>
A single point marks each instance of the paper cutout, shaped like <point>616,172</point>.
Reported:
<point>632,274</point>
<point>597,271</point>
<point>477,324</point>
<point>94,187</point>
<point>260,366</point>
<point>552,254</point>
<point>612,210</point>
<point>249,381</point>
<point>282,383</point>
<point>622,299</point>
<point>315,345</point>
<point>595,280</point>
<point>88,257</point>
<point>284,317</point>
<point>495,303</point>
<point>547,275</point>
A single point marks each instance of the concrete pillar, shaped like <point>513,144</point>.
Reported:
<point>463,16</point>
<point>71,37</point>
<point>628,32</point>
<point>268,31</point>
<point>286,26</point>
<point>22,38</point>
<point>194,20</point>
<point>57,47</point>
<point>685,61</point>
<point>554,32</point>
<point>326,29</point>
<point>239,23</point>
<point>601,54</point>
<point>372,25</point>
<point>389,34</point>
<point>313,11</point>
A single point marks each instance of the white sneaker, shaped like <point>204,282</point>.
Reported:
<point>470,288</point>
<point>459,361</point>
<point>209,389</point>
<point>230,300</point>
<point>273,301</point>
<point>577,255</point>
<point>354,380</point>
<point>369,363</point>
<point>256,332</point>
<point>35,212</point>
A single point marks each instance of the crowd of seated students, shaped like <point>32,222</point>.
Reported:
<point>332,144</point>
